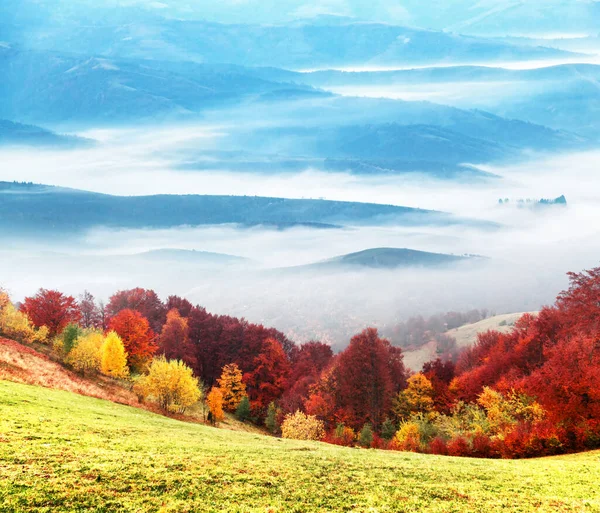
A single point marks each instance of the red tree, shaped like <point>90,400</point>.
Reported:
<point>365,381</point>
<point>91,316</point>
<point>144,301</point>
<point>174,339</point>
<point>268,378</point>
<point>138,338</point>
<point>52,309</point>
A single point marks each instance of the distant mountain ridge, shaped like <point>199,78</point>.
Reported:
<point>18,134</point>
<point>29,209</point>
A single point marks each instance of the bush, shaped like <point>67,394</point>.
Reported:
<point>171,383</point>
<point>342,435</point>
<point>86,356</point>
<point>69,337</point>
<point>299,426</point>
<point>438,446</point>
<point>271,418</point>
<point>459,446</point>
<point>408,437</point>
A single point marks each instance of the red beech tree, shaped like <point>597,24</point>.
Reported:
<point>143,301</point>
<point>52,309</point>
<point>174,339</point>
<point>137,336</point>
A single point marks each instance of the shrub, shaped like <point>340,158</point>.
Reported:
<point>459,446</point>
<point>408,437</point>
<point>171,383</point>
<point>86,356</point>
<point>113,361</point>
<point>438,446</point>
<point>299,426</point>
<point>343,435</point>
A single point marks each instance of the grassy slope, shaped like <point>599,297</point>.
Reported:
<point>65,452</point>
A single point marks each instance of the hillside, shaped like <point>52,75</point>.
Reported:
<point>467,335</point>
<point>39,209</point>
<point>390,258</point>
<point>87,454</point>
<point>18,134</point>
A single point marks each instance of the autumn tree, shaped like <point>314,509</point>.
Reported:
<point>416,398</point>
<point>174,340</point>
<point>232,387</point>
<point>138,339</point>
<point>144,301</point>
<point>113,361</point>
<point>268,379</point>
<point>86,355</point>
<point>214,400</point>
<point>91,316</point>
<point>16,325</point>
<point>299,426</point>
<point>171,383</point>
<point>52,309</point>
<point>365,387</point>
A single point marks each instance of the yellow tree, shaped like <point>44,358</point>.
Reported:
<point>300,426</point>
<point>215,404</point>
<point>17,325</point>
<point>113,361</point>
<point>171,383</point>
<point>232,387</point>
<point>86,356</point>
<point>416,398</point>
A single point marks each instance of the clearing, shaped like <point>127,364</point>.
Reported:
<point>60,451</point>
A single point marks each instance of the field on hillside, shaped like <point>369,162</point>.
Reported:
<point>64,452</point>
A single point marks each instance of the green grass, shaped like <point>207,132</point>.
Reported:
<point>64,452</point>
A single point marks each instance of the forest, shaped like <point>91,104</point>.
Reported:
<point>529,392</point>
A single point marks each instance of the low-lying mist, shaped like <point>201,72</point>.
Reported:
<point>527,257</point>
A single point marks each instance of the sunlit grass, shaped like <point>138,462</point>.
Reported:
<point>65,452</point>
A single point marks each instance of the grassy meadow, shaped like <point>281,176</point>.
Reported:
<point>61,451</point>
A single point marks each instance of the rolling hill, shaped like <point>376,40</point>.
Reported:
<point>18,134</point>
<point>62,452</point>
<point>389,258</point>
<point>29,208</point>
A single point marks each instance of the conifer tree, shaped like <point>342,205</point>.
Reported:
<point>232,387</point>
<point>271,418</point>
<point>243,412</point>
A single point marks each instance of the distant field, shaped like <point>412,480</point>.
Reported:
<point>64,452</point>
<point>467,334</point>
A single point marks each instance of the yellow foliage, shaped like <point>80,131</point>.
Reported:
<point>300,426</point>
<point>86,356</point>
<point>171,383</point>
<point>408,437</point>
<point>417,398</point>
<point>232,387</point>
<point>215,404</point>
<point>16,325</point>
<point>113,361</point>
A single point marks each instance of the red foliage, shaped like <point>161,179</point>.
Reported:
<point>365,386</point>
<point>268,379</point>
<point>143,301</point>
<point>138,338</point>
<point>174,339</point>
<point>52,309</point>
<point>459,446</point>
<point>438,446</point>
